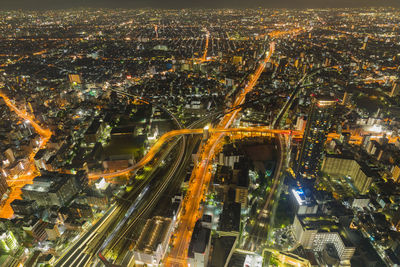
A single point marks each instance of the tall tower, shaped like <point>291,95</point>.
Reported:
<point>314,137</point>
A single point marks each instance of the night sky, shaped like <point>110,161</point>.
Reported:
<point>53,4</point>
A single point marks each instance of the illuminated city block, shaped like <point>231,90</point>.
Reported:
<point>317,128</point>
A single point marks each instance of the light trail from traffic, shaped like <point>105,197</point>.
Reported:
<point>131,209</point>
<point>91,245</point>
<point>100,226</point>
<point>169,135</point>
<point>277,34</point>
<point>201,177</point>
<point>206,47</point>
<point>149,204</point>
<point>12,62</point>
<point>30,171</point>
<point>45,133</point>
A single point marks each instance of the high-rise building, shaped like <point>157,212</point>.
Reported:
<point>315,135</point>
<point>303,201</point>
<point>8,242</point>
<point>52,188</point>
<point>36,228</point>
<point>199,247</point>
<point>52,231</point>
<point>3,185</point>
<point>23,207</point>
<point>237,60</point>
<point>343,165</point>
<point>318,233</point>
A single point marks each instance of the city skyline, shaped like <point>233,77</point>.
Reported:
<point>178,4</point>
<point>200,137</point>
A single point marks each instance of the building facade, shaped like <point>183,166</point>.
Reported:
<point>315,232</point>
<point>338,165</point>
<point>51,189</point>
<point>8,242</point>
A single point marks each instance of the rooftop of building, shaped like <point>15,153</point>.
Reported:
<point>303,196</point>
<point>199,240</point>
<point>230,218</point>
<point>22,202</point>
<point>341,156</point>
<point>324,100</point>
<point>223,175</point>
<point>363,166</point>
<point>40,154</point>
<point>319,222</point>
<point>222,246</point>
<point>324,224</point>
<point>48,182</point>
<point>94,126</point>
<point>153,233</point>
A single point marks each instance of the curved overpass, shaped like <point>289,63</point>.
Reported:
<point>147,157</point>
<point>169,135</point>
<point>201,176</point>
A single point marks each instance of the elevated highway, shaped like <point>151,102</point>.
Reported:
<point>201,174</point>
<point>169,135</point>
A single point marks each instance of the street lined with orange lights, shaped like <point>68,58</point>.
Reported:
<point>169,135</point>
<point>201,177</point>
<point>30,171</point>
<point>206,47</point>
